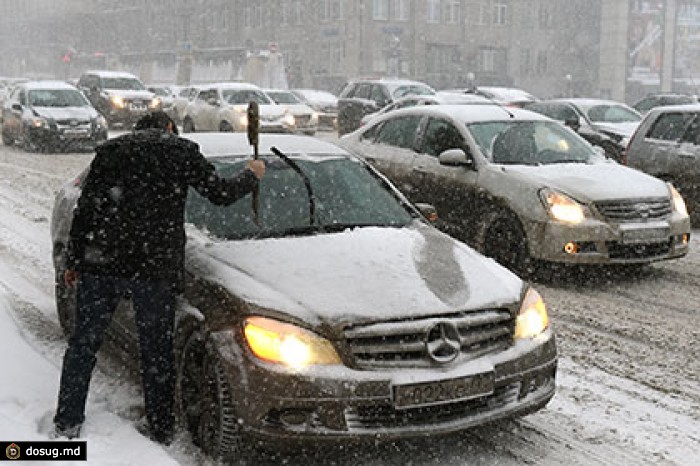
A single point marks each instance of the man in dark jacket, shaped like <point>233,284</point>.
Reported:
<point>128,237</point>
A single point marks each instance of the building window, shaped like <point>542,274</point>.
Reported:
<point>284,14</point>
<point>493,60</point>
<point>483,12</point>
<point>500,12</point>
<point>525,62</point>
<point>330,10</point>
<point>542,66</point>
<point>248,17</point>
<point>380,10</point>
<point>336,9</point>
<point>378,61</point>
<point>453,12</point>
<point>402,9</point>
<point>433,12</point>
<point>298,12</point>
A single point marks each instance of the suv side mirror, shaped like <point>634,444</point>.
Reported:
<point>17,107</point>
<point>573,123</point>
<point>456,158</point>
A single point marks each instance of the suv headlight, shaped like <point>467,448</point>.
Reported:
<point>287,344</point>
<point>677,200</point>
<point>117,101</point>
<point>101,121</point>
<point>532,317</point>
<point>38,122</point>
<point>561,207</point>
<point>155,103</point>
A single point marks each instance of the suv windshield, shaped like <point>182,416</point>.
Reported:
<point>284,98</point>
<point>346,193</point>
<point>414,89</point>
<point>245,96</point>
<point>57,98</point>
<point>612,114</point>
<point>530,143</point>
<point>129,84</point>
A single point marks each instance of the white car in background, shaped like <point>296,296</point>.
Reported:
<point>325,104</point>
<point>305,117</point>
<point>224,107</point>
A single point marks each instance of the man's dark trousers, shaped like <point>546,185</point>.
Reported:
<point>98,296</point>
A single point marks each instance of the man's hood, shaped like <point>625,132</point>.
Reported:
<point>361,275</point>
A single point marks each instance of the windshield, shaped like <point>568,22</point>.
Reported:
<point>160,91</point>
<point>530,143</point>
<point>284,98</point>
<point>612,114</point>
<point>245,96</point>
<point>129,84</point>
<point>414,89</point>
<point>346,193</point>
<point>57,98</point>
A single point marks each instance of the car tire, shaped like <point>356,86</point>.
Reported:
<point>225,127</point>
<point>188,126</point>
<point>506,243</point>
<point>7,139</point>
<point>205,400</point>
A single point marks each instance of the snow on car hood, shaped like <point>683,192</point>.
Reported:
<point>298,109</point>
<point>594,182</point>
<point>66,113</point>
<point>130,94</point>
<point>623,129</point>
<point>365,274</point>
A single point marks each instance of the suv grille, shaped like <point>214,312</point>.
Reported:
<point>403,344</point>
<point>635,210</point>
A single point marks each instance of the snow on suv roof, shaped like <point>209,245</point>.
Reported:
<point>112,74</point>
<point>473,113</point>
<point>230,85</point>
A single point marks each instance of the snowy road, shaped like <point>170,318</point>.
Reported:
<point>629,370</point>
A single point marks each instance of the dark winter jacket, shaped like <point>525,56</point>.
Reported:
<point>129,221</point>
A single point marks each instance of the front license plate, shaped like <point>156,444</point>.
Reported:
<point>75,133</point>
<point>444,391</point>
<point>137,108</point>
<point>645,235</point>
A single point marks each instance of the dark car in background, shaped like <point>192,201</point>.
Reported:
<point>339,314</point>
<point>121,97</point>
<point>363,96</point>
<point>667,145</point>
<point>50,115</point>
<point>662,100</point>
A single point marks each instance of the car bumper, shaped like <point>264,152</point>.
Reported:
<point>67,137</point>
<point>597,242</point>
<point>126,115</point>
<point>340,403</point>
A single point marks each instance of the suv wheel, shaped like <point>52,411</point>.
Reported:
<point>188,126</point>
<point>225,127</point>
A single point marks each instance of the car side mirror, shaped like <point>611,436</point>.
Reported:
<point>428,211</point>
<point>17,107</point>
<point>573,123</point>
<point>456,158</point>
<point>213,101</point>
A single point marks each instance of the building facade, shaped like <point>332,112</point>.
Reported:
<point>549,47</point>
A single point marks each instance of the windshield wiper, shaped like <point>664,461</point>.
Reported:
<point>307,181</point>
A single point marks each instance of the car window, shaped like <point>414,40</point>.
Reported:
<point>56,98</point>
<point>530,143</point>
<point>363,91</point>
<point>612,114</point>
<point>645,104</point>
<point>130,84</point>
<point>284,97</point>
<point>346,193</point>
<point>22,97</point>
<point>245,96</point>
<point>412,89</point>
<point>371,133</point>
<point>379,95</point>
<point>671,126</point>
<point>441,135</point>
<point>399,132</point>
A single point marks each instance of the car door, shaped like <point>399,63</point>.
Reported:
<point>200,110</point>
<point>451,189</point>
<point>688,154</point>
<point>12,114</point>
<point>393,151</point>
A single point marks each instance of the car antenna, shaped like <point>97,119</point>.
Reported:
<point>500,105</point>
<point>253,132</point>
<point>307,181</point>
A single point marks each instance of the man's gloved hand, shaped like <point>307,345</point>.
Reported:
<point>70,277</point>
<point>257,167</point>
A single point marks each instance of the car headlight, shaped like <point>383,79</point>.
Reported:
<point>117,101</point>
<point>532,317</point>
<point>38,122</point>
<point>101,121</point>
<point>155,103</point>
<point>287,344</point>
<point>678,202</point>
<point>288,119</point>
<point>314,118</point>
<point>562,207</point>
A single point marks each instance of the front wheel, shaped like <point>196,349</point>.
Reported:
<point>188,126</point>
<point>7,139</point>
<point>205,400</point>
<point>506,243</point>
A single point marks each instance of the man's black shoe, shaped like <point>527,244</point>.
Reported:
<point>60,431</point>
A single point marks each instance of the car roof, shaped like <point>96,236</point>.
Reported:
<point>230,85</point>
<point>214,145</point>
<point>47,84</point>
<point>676,108</point>
<point>472,113</point>
<point>112,74</point>
<point>589,102</point>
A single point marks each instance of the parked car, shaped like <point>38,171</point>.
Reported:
<point>183,97</point>
<point>509,96</point>
<point>224,106</point>
<point>661,100</point>
<point>121,97</point>
<point>325,104</point>
<point>342,314</point>
<point>613,119</point>
<point>363,96</point>
<point>441,97</point>
<point>166,97</point>
<point>524,189</point>
<point>570,115</point>
<point>667,145</point>
<point>50,115</point>
<point>305,117</point>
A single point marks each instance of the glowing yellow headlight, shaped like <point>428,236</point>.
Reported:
<point>155,102</point>
<point>118,101</point>
<point>532,318</point>
<point>561,207</point>
<point>678,202</point>
<point>293,346</point>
